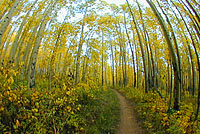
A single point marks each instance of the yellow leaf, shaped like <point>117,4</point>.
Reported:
<point>10,80</point>
<point>14,73</point>
<point>1,108</point>
<point>10,99</point>
<point>17,123</point>
<point>35,110</point>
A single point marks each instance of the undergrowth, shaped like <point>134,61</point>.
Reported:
<point>155,116</point>
<point>68,109</point>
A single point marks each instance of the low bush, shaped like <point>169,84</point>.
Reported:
<point>84,108</point>
<point>155,116</point>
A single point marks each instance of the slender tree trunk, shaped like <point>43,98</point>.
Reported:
<point>85,70</point>
<point>53,56</point>
<point>80,49</point>
<point>116,70</point>
<point>142,49</point>
<point>136,56</point>
<point>25,58</point>
<point>125,66</point>
<point>6,45</point>
<point>145,33</point>
<point>113,64</point>
<point>193,70</point>
<point>34,54</point>
<point>85,65</point>
<point>172,53</point>
<point>16,40</point>
<point>102,59</point>
<point>153,63</point>
<point>176,46</point>
<point>7,19</point>
<point>129,41</point>
<point>6,41</point>
<point>171,84</point>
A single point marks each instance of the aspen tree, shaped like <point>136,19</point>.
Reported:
<point>25,57</point>
<point>141,47</point>
<point>116,68</point>
<point>175,43</point>
<point>113,64</point>
<point>85,64</point>
<point>11,34</point>
<point>16,41</point>
<point>6,20</point>
<point>102,59</point>
<point>145,33</point>
<point>5,41</point>
<point>34,54</point>
<point>196,53</point>
<point>135,59</point>
<point>81,41</point>
<point>129,42</point>
<point>172,54</point>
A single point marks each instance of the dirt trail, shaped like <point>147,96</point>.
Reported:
<point>128,124</point>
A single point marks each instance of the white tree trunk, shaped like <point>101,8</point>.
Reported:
<point>6,20</point>
<point>172,54</point>
<point>142,49</point>
<point>15,43</point>
<point>34,54</point>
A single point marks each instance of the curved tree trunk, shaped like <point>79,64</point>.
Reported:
<point>7,19</point>
<point>17,38</point>
<point>145,33</point>
<point>129,41</point>
<point>142,49</point>
<point>6,47</point>
<point>25,58</point>
<point>176,45</point>
<point>172,54</point>
<point>34,54</point>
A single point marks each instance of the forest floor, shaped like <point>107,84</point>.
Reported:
<point>128,124</point>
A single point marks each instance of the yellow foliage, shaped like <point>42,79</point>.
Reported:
<point>18,123</point>
<point>154,111</point>
<point>1,108</point>
<point>10,80</point>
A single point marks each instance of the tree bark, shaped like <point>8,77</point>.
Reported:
<point>176,45</point>
<point>34,54</point>
<point>129,41</point>
<point>102,60</point>
<point>142,49</point>
<point>80,49</point>
<point>172,54</point>
<point>16,40</point>
<point>113,64</point>
<point>7,19</point>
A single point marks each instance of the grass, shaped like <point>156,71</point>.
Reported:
<point>103,113</point>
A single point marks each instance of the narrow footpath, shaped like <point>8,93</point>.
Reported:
<point>128,124</point>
